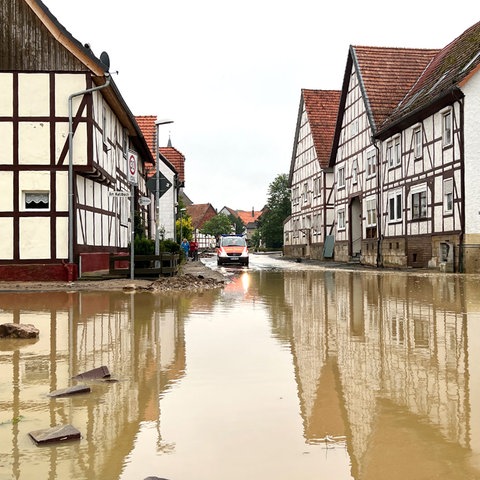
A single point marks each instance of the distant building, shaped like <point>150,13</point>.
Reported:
<point>248,217</point>
<point>168,200</point>
<point>201,213</point>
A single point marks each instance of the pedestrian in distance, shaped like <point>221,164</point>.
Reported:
<point>194,250</point>
<point>185,247</point>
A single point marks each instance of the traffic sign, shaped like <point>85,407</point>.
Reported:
<point>164,184</point>
<point>132,168</point>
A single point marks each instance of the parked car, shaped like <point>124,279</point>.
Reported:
<point>232,249</point>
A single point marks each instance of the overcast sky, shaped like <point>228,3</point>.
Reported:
<point>230,73</point>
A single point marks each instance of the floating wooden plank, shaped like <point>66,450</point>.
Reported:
<point>63,392</point>
<point>100,372</point>
<point>60,433</point>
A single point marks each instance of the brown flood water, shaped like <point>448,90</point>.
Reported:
<point>281,375</point>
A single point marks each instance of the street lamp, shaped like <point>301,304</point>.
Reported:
<point>157,185</point>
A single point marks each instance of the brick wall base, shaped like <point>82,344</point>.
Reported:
<point>50,272</point>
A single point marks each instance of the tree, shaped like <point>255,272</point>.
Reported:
<point>218,225</point>
<point>237,223</point>
<point>278,208</point>
<point>184,228</point>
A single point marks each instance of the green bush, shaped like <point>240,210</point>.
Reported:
<point>144,246</point>
<point>169,246</point>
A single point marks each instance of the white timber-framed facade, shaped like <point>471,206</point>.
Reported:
<point>405,158</point>
<point>310,178</point>
<point>51,231</point>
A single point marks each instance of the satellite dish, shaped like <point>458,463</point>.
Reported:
<point>105,59</point>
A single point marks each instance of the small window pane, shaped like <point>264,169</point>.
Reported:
<point>37,200</point>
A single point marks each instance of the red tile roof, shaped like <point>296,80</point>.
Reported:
<point>322,111</point>
<point>387,74</point>
<point>147,126</point>
<point>200,213</point>
<point>171,154</point>
<point>247,216</point>
<point>447,69</point>
<point>177,159</point>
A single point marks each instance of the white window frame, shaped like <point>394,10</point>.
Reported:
<point>422,207</point>
<point>395,207</point>
<point>389,153</point>
<point>371,163</point>
<point>417,142</point>
<point>35,197</point>
<point>447,122</point>
<point>354,127</point>
<point>341,219</point>
<point>371,213</point>
<point>355,171</point>
<point>448,195</point>
<point>397,151</point>
<point>341,177</point>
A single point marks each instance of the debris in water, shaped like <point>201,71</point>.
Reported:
<point>100,372</point>
<point>60,433</point>
<point>63,392</point>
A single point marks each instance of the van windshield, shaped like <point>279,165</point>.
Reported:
<point>232,242</point>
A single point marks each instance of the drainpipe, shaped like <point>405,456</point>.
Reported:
<point>379,205</point>
<point>70,161</point>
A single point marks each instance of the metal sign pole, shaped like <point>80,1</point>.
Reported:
<point>132,241</point>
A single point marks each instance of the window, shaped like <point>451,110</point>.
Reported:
<point>396,157</point>
<point>305,192</point>
<point>371,212</point>
<point>417,142</point>
<point>389,154</point>
<point>341,177</point>
<point>447,128</point>
<point>448,195</point>
<point>341,219</point>
<point>37,200</point>
<point>419,204</point>
<point>355,171</point>
<point>317,186</point>
<point>392,153</point>
<point>371,163</point>
<point>395,207</point>
<point>354,127</point>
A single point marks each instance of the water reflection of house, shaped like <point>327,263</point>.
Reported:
<point>139,338</point>
<point>369,350</point>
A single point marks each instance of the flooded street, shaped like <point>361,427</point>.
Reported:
<point>291,371</point>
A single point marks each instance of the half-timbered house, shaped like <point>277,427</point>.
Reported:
<point>404,159</point>
<point>403,151</point>
<point>311,178</point>
<point>71,150</point>
<point>430,164</point>
<point>375,80</point>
